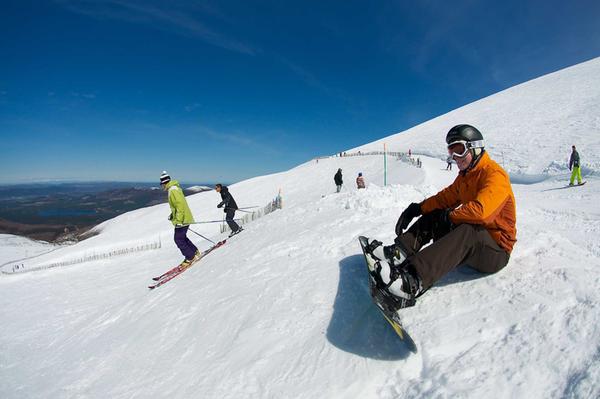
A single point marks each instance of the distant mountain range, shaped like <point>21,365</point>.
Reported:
<point>65,211</point>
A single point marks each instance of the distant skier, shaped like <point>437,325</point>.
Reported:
<point>181,217</point>
<point>574,166</point>
<point>229,207</point>
<point>360,181</point>
<point>338,180</point>
<point>449,162</point>
<point>471,222</point>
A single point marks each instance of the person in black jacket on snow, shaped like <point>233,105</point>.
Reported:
<point>338,180</point>
<point>229,207</point>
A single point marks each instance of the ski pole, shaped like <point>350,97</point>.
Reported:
<point>212,221</point>
<point>241,210</point>
<point>207,239</point>
<point>248,207</point>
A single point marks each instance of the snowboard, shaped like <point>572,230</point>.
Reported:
<point>382,299</point>
<point>577,185</point>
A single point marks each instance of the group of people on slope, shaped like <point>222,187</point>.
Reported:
<point>471,222</point>
<point>181,216</point>
<point>339,182</point>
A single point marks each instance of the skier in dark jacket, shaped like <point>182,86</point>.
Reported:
<point>229,207</point>
<point>574,166</point>
<point>338,180</point>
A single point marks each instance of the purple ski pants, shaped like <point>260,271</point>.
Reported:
<point>187,248</point>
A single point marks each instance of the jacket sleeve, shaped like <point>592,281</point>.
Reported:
<point>571,161</point>
<point>176,199</point>
<point>226,200</point>
<point>491,197</point>
<point>445,199</point>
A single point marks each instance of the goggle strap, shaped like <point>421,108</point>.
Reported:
<point>476,144</point>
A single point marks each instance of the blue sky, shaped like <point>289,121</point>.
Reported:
<point>226,90</point>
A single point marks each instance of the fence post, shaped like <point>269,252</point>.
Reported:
<point>384,166</point>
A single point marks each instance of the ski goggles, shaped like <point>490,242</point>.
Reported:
<point>460,149</point>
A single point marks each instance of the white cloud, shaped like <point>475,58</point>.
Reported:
<point>160,16</point>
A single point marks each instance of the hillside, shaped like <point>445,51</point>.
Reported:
<point>283,311</point>
<point>528,128</point>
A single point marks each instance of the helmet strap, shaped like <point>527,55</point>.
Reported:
<point>476,158</point>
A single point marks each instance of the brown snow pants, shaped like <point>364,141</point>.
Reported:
<point>466,244</point>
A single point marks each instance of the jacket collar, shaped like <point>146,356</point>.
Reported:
<point>478,163</point>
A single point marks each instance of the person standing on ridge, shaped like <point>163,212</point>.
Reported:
<point>575,167</point>
<point>229,207</point>
<point>360,181</point>
<point>471,222</point>
<point>449,162</point>
<point>338,180</point>
<point>181,217</point>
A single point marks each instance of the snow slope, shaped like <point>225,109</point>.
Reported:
<point>528,128</point>
<point>283,310</point>
<point>16,249</point>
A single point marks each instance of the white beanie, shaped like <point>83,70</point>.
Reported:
<point>164,177</point>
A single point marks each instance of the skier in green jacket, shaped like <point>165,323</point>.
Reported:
<point>181,217</point>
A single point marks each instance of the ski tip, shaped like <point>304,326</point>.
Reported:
<point>152,287</point>
<point>155,278</point>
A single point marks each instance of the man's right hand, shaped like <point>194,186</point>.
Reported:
<point>171,217</point>
<point>411,212</point>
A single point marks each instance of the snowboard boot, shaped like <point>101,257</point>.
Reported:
<point>394,254</point>
<point>397,282</point>
<point>405,283</point>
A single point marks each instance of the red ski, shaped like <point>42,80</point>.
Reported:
<point>177,270</point>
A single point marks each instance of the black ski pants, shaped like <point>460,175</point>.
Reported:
<point>465,244</point>
<point>229,216</point>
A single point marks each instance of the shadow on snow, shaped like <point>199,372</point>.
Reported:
<point>356,325</point>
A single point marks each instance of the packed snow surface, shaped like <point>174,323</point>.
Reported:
<point>282,310</point>
<point>15,250</point>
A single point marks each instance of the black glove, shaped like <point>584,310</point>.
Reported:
<point>411,212</point>
<point>171,217</point>
<point>220,205</point>
<point>440,223</point>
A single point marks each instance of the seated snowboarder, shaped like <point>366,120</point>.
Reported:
<point>471,222</point>
<point>181,217</point>
<point>229,207</point>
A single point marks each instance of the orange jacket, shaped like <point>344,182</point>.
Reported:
<point>482,195</point>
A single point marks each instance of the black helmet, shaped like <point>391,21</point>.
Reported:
<point>467,133</point>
